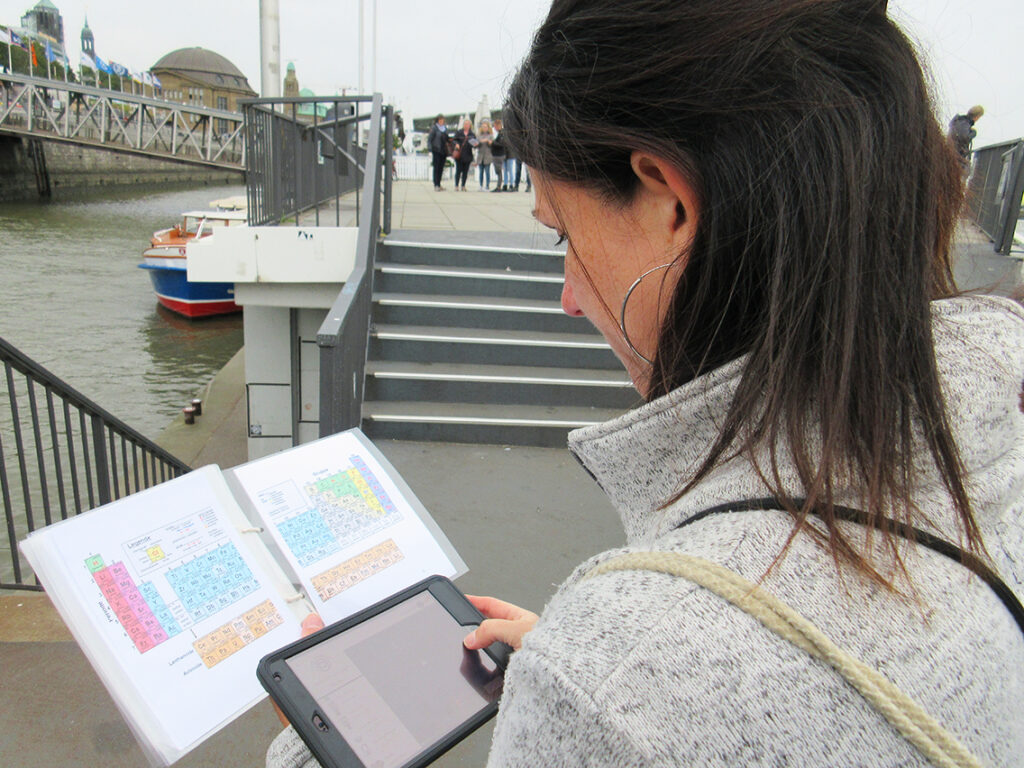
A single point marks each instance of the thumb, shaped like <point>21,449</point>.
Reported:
<point>495,630</point>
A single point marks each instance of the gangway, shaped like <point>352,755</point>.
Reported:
<point>39,108</point>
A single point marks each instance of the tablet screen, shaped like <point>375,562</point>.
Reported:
<point>398,682</point>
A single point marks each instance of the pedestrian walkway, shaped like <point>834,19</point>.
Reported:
<point>417,205</point>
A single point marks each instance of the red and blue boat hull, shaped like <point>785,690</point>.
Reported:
<point>174,291</point>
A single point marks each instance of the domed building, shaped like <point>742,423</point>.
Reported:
<point>203,78</point>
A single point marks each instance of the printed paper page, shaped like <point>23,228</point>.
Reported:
<point>168,603</point>
<point>349,527</point>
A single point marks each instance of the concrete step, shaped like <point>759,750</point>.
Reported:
<point>499,384</point>
<point>489,347</point>
<point>458,255</point>
<point>513,313</point>
<point>479,423</point>
<point>466,281</point>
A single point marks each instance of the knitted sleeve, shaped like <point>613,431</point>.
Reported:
<point>547,720</point>
<point>289,751</point>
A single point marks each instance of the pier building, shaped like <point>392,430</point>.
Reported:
<point>202,77</point>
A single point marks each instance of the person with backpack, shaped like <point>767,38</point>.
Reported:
<point>962,133</point>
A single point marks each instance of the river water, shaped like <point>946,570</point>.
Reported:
<point>73,299</point>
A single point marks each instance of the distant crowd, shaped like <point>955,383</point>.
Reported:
<point>484,151</point>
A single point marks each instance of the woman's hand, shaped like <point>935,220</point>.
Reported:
<point>312,623</point>
<point>505,622</point>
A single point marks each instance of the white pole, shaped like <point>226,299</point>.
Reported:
<point>362,44</point>
<point>270,48</point>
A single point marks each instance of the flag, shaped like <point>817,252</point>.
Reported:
<point>137,78</point>
<point>15,38</point>
<point>119,69</point>
<point>32,50</point>
<point>50,55</point>
<point>5,37</point>
<point>102,65</point>
<point>156,82</point>
<point>147,78</point>
<point>85,60</point>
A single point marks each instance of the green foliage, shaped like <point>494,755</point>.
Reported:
<point>20,60</point>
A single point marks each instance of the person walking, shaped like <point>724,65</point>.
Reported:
<point>437,140</point>
<point>465,141</point>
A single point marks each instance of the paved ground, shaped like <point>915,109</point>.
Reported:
<point>521,517</point>
<point>416,205</point>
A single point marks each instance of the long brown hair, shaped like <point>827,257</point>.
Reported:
<point>828,201</point>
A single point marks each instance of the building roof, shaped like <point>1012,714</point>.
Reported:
<point>204,66</point>
<point>46,5</point>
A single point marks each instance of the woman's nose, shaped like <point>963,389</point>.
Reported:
<point>569,305</point>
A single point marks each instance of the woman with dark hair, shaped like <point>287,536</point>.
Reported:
<point>759,204</point>
<point>822,491</point>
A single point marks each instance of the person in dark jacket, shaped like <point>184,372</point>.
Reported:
<point>498,151</point>
<point>962,133</point>
<point>437,140</point>
<point>465,140</point>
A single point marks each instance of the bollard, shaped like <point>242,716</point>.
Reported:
<point>190,414</point>
<point>198,405</point>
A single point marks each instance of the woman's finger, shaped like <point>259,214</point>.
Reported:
<point>493,608</point>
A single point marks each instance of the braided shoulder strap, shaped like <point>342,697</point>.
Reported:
<point>933,741</point>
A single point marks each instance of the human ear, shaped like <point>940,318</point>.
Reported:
<point>674,199</point>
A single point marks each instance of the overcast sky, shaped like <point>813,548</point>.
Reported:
<point>435,57</point>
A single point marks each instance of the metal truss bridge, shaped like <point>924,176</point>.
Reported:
<point>121,122</point>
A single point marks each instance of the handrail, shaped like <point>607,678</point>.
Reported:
<point>88,463</point>
<point>995,190</point>
<point>296,162</point>
<point>343,335</point>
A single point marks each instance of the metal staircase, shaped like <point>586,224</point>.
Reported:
<point>469,344</point>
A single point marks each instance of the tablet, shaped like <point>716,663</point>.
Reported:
<point>392,685</point>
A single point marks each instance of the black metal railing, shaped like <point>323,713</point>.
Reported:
<point>60,455</point>
<point>994,191</point>
<point>303,153</point>
<point>344,334</point>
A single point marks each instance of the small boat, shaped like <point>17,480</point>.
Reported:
<point>165,260</point>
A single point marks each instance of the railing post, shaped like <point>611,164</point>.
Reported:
<point>389,161</point>
<point>1011,202</point>
<point>99,450</point>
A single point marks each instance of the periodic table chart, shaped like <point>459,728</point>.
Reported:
<point>167,581</point>
<point>335,510</point>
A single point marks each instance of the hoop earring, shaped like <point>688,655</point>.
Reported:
<point>622,312</point>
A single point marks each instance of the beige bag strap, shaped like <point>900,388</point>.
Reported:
<point>937,744</point>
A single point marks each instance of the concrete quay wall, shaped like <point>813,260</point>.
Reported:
<point>74,166</point>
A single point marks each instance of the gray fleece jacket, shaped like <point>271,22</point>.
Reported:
<point>638,668</point>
